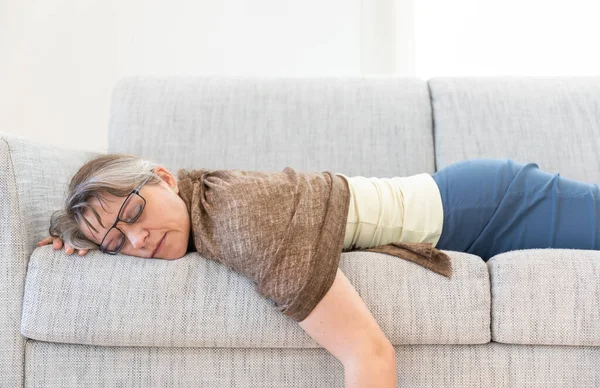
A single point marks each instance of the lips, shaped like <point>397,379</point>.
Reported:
<point>159,245</point>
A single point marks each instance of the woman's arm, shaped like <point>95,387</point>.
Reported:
<point>342,324</point>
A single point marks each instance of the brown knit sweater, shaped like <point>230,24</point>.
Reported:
<point>283,230</point>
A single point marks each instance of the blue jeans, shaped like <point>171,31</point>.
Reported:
<point>498,205</point>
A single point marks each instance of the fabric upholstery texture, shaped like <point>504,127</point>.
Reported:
<point>370,127</point>
<point>196,302</point>
<point>493,364</point>
<point>32,182</point>
<point>546,297</point>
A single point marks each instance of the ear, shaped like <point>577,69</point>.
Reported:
<point>167,177</point>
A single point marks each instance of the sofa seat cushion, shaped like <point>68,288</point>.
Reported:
<point>546,297</point>
<point>121,300</point>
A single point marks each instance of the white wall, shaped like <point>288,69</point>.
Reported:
<point>507,37</point>
<point>61,58</point>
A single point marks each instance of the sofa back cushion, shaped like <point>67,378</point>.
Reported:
<point>379,126</point>
<point>554,122</point>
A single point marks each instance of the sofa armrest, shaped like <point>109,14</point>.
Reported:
<point>33,181</point>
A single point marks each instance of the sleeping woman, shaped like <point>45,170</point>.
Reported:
<point>285,230</point>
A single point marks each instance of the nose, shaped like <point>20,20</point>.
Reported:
<point>136,235</point>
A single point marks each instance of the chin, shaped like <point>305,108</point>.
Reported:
<point>176,249</point>
<point>177,255</point>
<point>174,258</point>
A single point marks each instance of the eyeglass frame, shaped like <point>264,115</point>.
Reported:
<point>134,191</point>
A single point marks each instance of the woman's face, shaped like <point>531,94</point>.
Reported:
<point>164,215</point>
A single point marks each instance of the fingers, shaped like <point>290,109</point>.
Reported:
<point>69,249</point>
<point>57,243</point>
<point>45,241</point>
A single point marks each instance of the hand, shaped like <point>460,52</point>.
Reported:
<point>57,243</point>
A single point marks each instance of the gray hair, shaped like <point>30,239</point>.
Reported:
<point>115,174</point>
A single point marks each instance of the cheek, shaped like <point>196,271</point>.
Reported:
<point>126,250</point>
<point>175,215</point>
<point>166,213</point>
<point>129,250</point>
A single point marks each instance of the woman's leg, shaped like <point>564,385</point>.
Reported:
<point>493,206</point>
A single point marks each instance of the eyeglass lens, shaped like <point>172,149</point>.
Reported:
<point>129,213</point>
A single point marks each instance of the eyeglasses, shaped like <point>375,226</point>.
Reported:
<point>130,211</point>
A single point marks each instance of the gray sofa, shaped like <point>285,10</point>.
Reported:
<point>523,318</point>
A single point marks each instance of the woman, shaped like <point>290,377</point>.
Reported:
<point>480,206</point>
